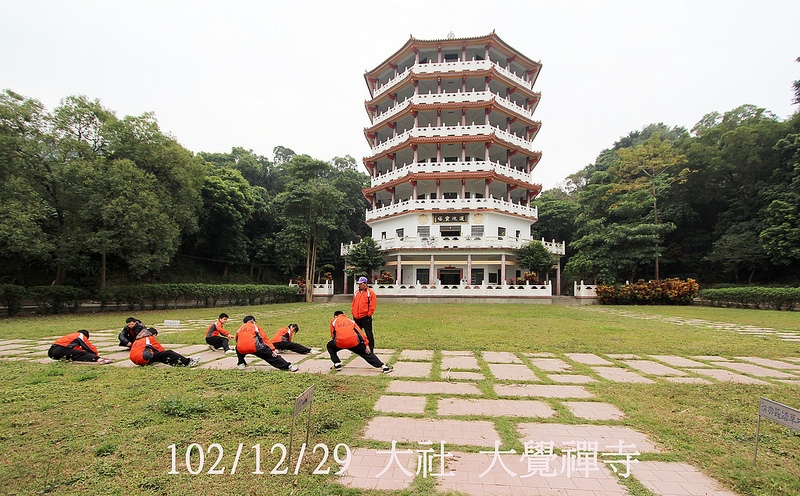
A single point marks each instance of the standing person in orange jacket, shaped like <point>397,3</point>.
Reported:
<point>75,346</point>
<point>146,350</point>
<point>250,339</point>
<point>346,335</point>
<point>216,335</point>
<point>364,304</point>
<point>282,340</point>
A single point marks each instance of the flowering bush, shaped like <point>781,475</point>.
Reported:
<point>663,292</point>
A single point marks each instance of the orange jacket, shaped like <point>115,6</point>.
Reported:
<point>76,340</point>
<point>283,334</point>
<point>250,338</point>
<point>346,333</point>
<point>364,303</point>
<point>216,329</point>
<point>144,348</point>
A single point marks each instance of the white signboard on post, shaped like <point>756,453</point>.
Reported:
<point>782,414</point>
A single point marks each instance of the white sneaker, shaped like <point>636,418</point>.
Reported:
<point>241,366</point>
<point>315,352</point>
<point>230,352</point>
<point>194,361</point>
<point>293,368</point>
<point>337,366</point>
<point>386,369</point>
<point>212,348</point>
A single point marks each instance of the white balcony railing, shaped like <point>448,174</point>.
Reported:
<point>465,290</point>
<point>465,166</point>
<point>585,290</point>
<point>458,242</point>
<point>453,204</point>
<point>444,67</point>
<point>437,131</point>
<point>457,97</point>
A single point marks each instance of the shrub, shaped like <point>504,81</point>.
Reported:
<point>662,292</point>
<point>12,296</point>
<point>753,296</point>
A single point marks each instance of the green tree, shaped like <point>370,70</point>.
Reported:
<point>364,258</point>
<point>535,257</point>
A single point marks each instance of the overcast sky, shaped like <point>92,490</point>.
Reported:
<point>257,74</point>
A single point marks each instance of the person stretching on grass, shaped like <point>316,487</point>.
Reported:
<point>146,350</point>
<point>216,335</point>
<point>346,335</point>
<point>282,340</point>
<point>75,346</point>
<point>251,340</point>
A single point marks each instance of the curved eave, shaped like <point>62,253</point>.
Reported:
<point>432,176</point>
<point>415,42</point>
<point>454,105</point>
<point>422,140</point>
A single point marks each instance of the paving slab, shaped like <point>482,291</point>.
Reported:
<point>512,372</point>
<point>188,350</point>
<point>775,364</point>
<point>485,473</point>
<point>359,363</point>
<point>587,359</point>
<point>594,410</point>
<point>452,432</point>
<point>494,408</point>
<point>617,374</point>
<point>711,358</point>
<point>450,353</point>
<point>571,378</point>
<point>460,362</point>
<point>542,391</point>
<point>400,404</point>
<point>317,366</point>
<point>623,356</point>
<point>432,387</point>
<point>551,364</point>
<point>677,361</point>
<point>758,370</point>
<point>463,376</point>
<point>653,368</point>
<point>727,376</point>
<point>541,354</point>
<point>608,437</point>
<point>687,380</point>
<point>362,371</point>
<point>412,369</point>
<point>500,357</point>
<point>676,479</point>
<point>374,469</point>
<point>416,355</point>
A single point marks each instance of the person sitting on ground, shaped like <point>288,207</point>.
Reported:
<point>216,335</point>
<point>133,327</point>
<point>282,340</point>
<point>146,350</point>
<point>250,339</point>
<point>346,335</point>
<point>75,346</point>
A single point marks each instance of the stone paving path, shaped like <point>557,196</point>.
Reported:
<point>459,446</point>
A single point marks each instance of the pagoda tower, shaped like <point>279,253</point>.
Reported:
<point>451,162</point>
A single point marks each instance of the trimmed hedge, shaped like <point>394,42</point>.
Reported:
<point>663,292</point>
<point>57,299</point>
<point>757,297</point>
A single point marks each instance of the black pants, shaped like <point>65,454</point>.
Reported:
<point>276,361</point>
<point>218,342</point>
<point>292,346</point>
<point>58,352</point>
<point>365,323</point>
<point>360,350</point>
<point>170,358</point>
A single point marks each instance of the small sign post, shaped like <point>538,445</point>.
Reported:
<point>304,400</point>
<point>782,414</point>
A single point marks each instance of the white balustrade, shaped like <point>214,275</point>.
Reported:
<point>436,131</point>
<point>584,290</point>
<point>417,290</point>
<point>409,205</point>
<point>460,166</point>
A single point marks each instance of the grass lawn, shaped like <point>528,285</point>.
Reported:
<point>104,430</point>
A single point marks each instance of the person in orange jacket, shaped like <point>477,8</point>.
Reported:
<point>75,346</point>
<point>216,335</point>
<point>251,340</point>
<point>346,335</point>
<point>146,350</point>
<point>282,340</point>
<point>364,304</point>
